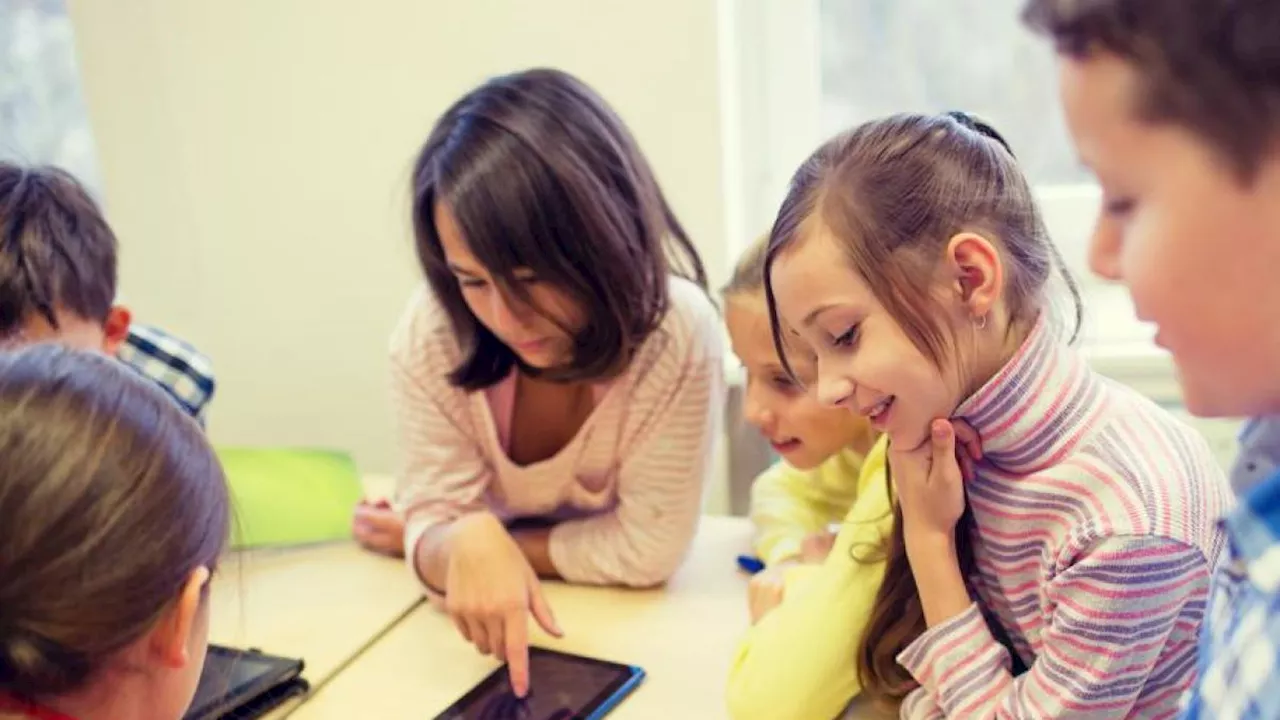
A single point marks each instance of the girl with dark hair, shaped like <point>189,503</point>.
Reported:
<point>559,380</point>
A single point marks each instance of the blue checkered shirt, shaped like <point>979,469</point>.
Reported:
<point>184,373</point>
<point>1239,665</point>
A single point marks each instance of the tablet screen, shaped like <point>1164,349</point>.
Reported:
<point>562,687</point>
<point>235,674</point>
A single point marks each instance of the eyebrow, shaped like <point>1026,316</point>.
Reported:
<point>458,270</point>
<point>814,313</point>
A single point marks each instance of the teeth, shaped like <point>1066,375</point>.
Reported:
<point>879,408</point>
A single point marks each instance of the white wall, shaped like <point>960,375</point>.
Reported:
<point>255,156</point>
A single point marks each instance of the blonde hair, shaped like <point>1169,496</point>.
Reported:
<point>748,272</point>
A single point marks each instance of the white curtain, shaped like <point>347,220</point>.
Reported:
<point>42,111</point>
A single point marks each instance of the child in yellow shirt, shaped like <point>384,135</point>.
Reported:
<point>810,604</point>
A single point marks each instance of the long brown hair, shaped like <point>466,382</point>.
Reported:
<point>541,174</point>
<point>110,497</point>
<point>894,191</point>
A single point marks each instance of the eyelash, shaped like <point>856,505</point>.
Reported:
<point>849,337</point>
<point>472,283</point>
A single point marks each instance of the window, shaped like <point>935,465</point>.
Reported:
<point>42,112</point>
<point>807,69</point>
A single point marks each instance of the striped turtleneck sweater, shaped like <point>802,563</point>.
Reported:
<point>1094,539</point>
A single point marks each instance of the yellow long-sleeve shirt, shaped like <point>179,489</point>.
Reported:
<point>798,661</point>
<point>788,504</point>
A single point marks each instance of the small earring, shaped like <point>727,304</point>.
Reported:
<point>981,322</point>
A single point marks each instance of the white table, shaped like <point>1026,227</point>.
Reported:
<point>684,636</point>
<point>322,603</point>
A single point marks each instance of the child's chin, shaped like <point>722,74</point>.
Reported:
<point>908,439</point>
<point>801,460</point>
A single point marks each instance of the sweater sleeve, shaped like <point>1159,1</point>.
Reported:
<point>1115,609</point>
<point>798,662</point>
<point>788,504</point>
<point>443,473</point>
<point>675,419</point>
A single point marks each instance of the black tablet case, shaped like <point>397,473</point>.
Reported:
<point>272,686</point>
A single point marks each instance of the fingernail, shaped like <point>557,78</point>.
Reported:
<point>940,430</point>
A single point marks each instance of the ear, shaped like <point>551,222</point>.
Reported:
<point>171,637</point>
<point>976,272</point>
<point>116,328</point>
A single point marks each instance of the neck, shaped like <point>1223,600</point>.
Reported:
<point>570,388</point>
<point>996,346</point>
<point>115,695</point>
<point>1037,406</point>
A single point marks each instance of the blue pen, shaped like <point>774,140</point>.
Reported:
<point>750,565</point>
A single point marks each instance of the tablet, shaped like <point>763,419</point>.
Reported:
<point>562,687</point>
<point>244,684</point>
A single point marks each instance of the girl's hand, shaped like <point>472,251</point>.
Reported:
<point>490,592</point>
<point>930,487</point>
<point>379,528</point>
<point>764,590</point>
<point>968,447</point>
<point>816,547</point>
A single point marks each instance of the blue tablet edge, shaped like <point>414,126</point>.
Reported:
<point>637,676</point>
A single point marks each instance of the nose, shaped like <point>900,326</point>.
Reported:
<point>755,411</point>
<point>833,390</point>
<point>1104,250</point>
<point>507,313</point>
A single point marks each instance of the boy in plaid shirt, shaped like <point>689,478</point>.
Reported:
<point>58,283</point>
<point>1175,106</point>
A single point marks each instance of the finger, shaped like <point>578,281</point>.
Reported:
<point>375,540</point>
<point>755,605</point>
<point>516,650</point>
<point>944,450</point>
<point>542,611</point>
<point>496,634</point>
<point>463,628</point>
<point>966,465</point>
<point>387,521</point>
<point>377,517</point>
<point>479,635</point>
<point>968,437</point>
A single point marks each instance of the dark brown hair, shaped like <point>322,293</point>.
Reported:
<point>1209,66</point>
<point>541,174</point>
<point>57,252</point>
<point>893,192</point>
<point>110,497</point>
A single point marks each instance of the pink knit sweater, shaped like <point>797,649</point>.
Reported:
<point>628,488</point>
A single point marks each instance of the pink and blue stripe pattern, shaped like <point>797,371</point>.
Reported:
<point>1095,538</point>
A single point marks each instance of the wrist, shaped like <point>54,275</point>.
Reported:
<point>930,545</point>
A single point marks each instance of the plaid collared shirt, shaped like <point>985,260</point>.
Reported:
<point>175,365</point>
<point>1239,665</point>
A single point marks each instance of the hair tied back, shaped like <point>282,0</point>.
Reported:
<point>980,126</point>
